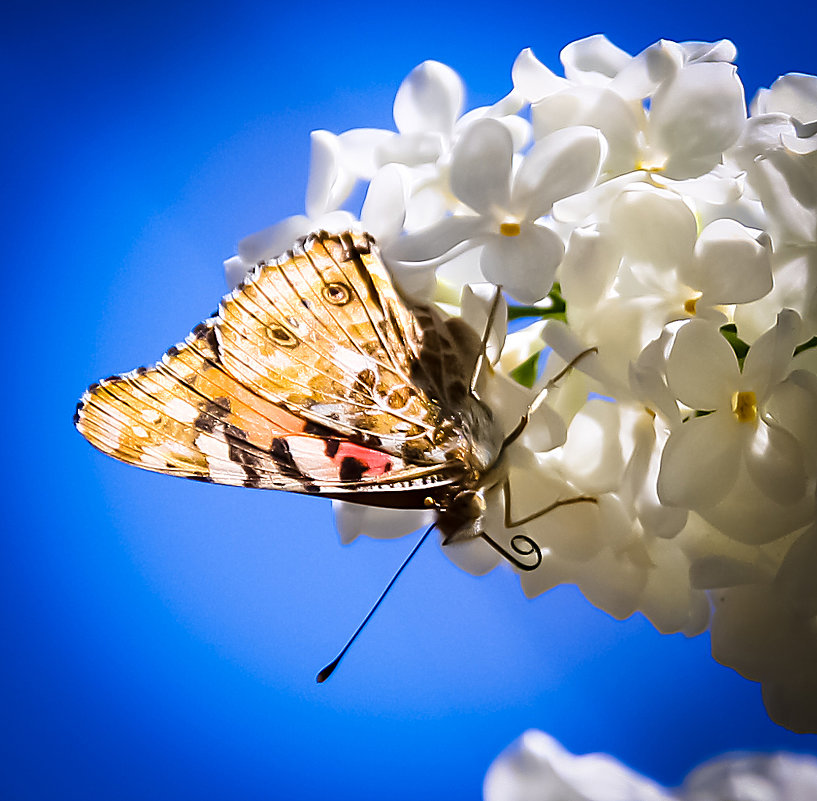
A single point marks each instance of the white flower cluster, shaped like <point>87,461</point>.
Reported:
<point>537,768</point>
<point>633,208</point>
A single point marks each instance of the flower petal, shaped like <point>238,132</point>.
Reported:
<point>561,164</point>
<point>361,149</point>
<point>432,244</point>
<point>384,208</point>
<point>640,77</point>
<point>700,462</point>
<point>599,108</point>
<point>524,265</point>
<point>353,520</point>
<point>330,182</point>
<point>481,167</point>
<point>533,79</point>
<point>593,60</point>
<point>774,462</point>
<point>794,94</point>
<point>729,264</point>
<point>695,116</point>
<point>475,307</point>
<point>702,369</point>
<point>273,241</point>
<point>769,359</point>
<point>589,266</point>
<point>429,99</point>
<point>654,227</point>
<point>592,453</point>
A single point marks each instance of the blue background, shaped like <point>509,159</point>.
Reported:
<point>161,637</point>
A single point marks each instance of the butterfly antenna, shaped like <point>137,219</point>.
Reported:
<point>324,674</point>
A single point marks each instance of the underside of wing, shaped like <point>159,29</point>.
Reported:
<point>322,333</point>
<point>187,416</point>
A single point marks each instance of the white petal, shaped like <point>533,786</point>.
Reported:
<point>794,94</point>
<point>729,264</point>
<point>695,116</point>
<point>569,346</point>
<point>768,360</point>
<point>481,167</point>
<point>473,556</point>
<point>429,99</point>
<point>589,267</point>
<point>384,208</point>
<point>751,517</point>
<point>592,453</point>
<point>361,149</point>
<point>329,181</point>
<point>599,108</point>
<point>774,462</point>
<point>714,571</point>
<point>668,601</point>
<point>721,185</point>
<point>524,265</point>
<point>537,768</point>
<point>475,306</point>
<point>700,462</point>
<point>273,241</point>
<point>722,50</point>
<point>654,227</point>
<point>431,244</point>
<point>545,430</point>
<point>533,79</point>
<point>413,149</point>
<point>702,369</point>
<point>593,60</point>
<point>594,204</point>
<point>646,71</point>
<point>236,270</point>
<point>793,405</point>
<point>787,189</point>
<point>561,164</point>
<point>795,579</point>
<point>353,520</point>
<point>755,777</point>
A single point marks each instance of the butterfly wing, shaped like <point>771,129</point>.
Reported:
<point>310,378</point>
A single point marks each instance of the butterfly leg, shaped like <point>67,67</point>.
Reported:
<point>542,394</point>
<point>521,544</point>
<point>486,335</point>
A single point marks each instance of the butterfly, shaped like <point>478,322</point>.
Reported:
<point>315,376</point>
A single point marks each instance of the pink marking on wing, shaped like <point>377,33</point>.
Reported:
<point>377,464</point>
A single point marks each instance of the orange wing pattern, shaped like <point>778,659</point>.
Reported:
<point>314,376</point>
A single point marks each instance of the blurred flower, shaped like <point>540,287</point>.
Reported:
<point>537,768</point>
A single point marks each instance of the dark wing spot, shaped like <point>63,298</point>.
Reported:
<point>283,457</point>
<point>332,446</point>
<point>352,469</point>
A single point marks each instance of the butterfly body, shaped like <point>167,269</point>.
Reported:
<point>316,377</point>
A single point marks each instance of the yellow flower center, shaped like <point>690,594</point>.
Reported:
<point>691,305</point>
<point>744,406</point>
<point>510,228</point>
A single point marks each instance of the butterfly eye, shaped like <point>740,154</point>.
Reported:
<point>283,337</point>
<point>337,293</point>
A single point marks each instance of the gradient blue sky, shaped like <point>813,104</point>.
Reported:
<point>161,637</point>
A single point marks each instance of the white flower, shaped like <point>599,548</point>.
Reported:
<point>624,280</point>
<point>537,768</point>
<point>504,206</point>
